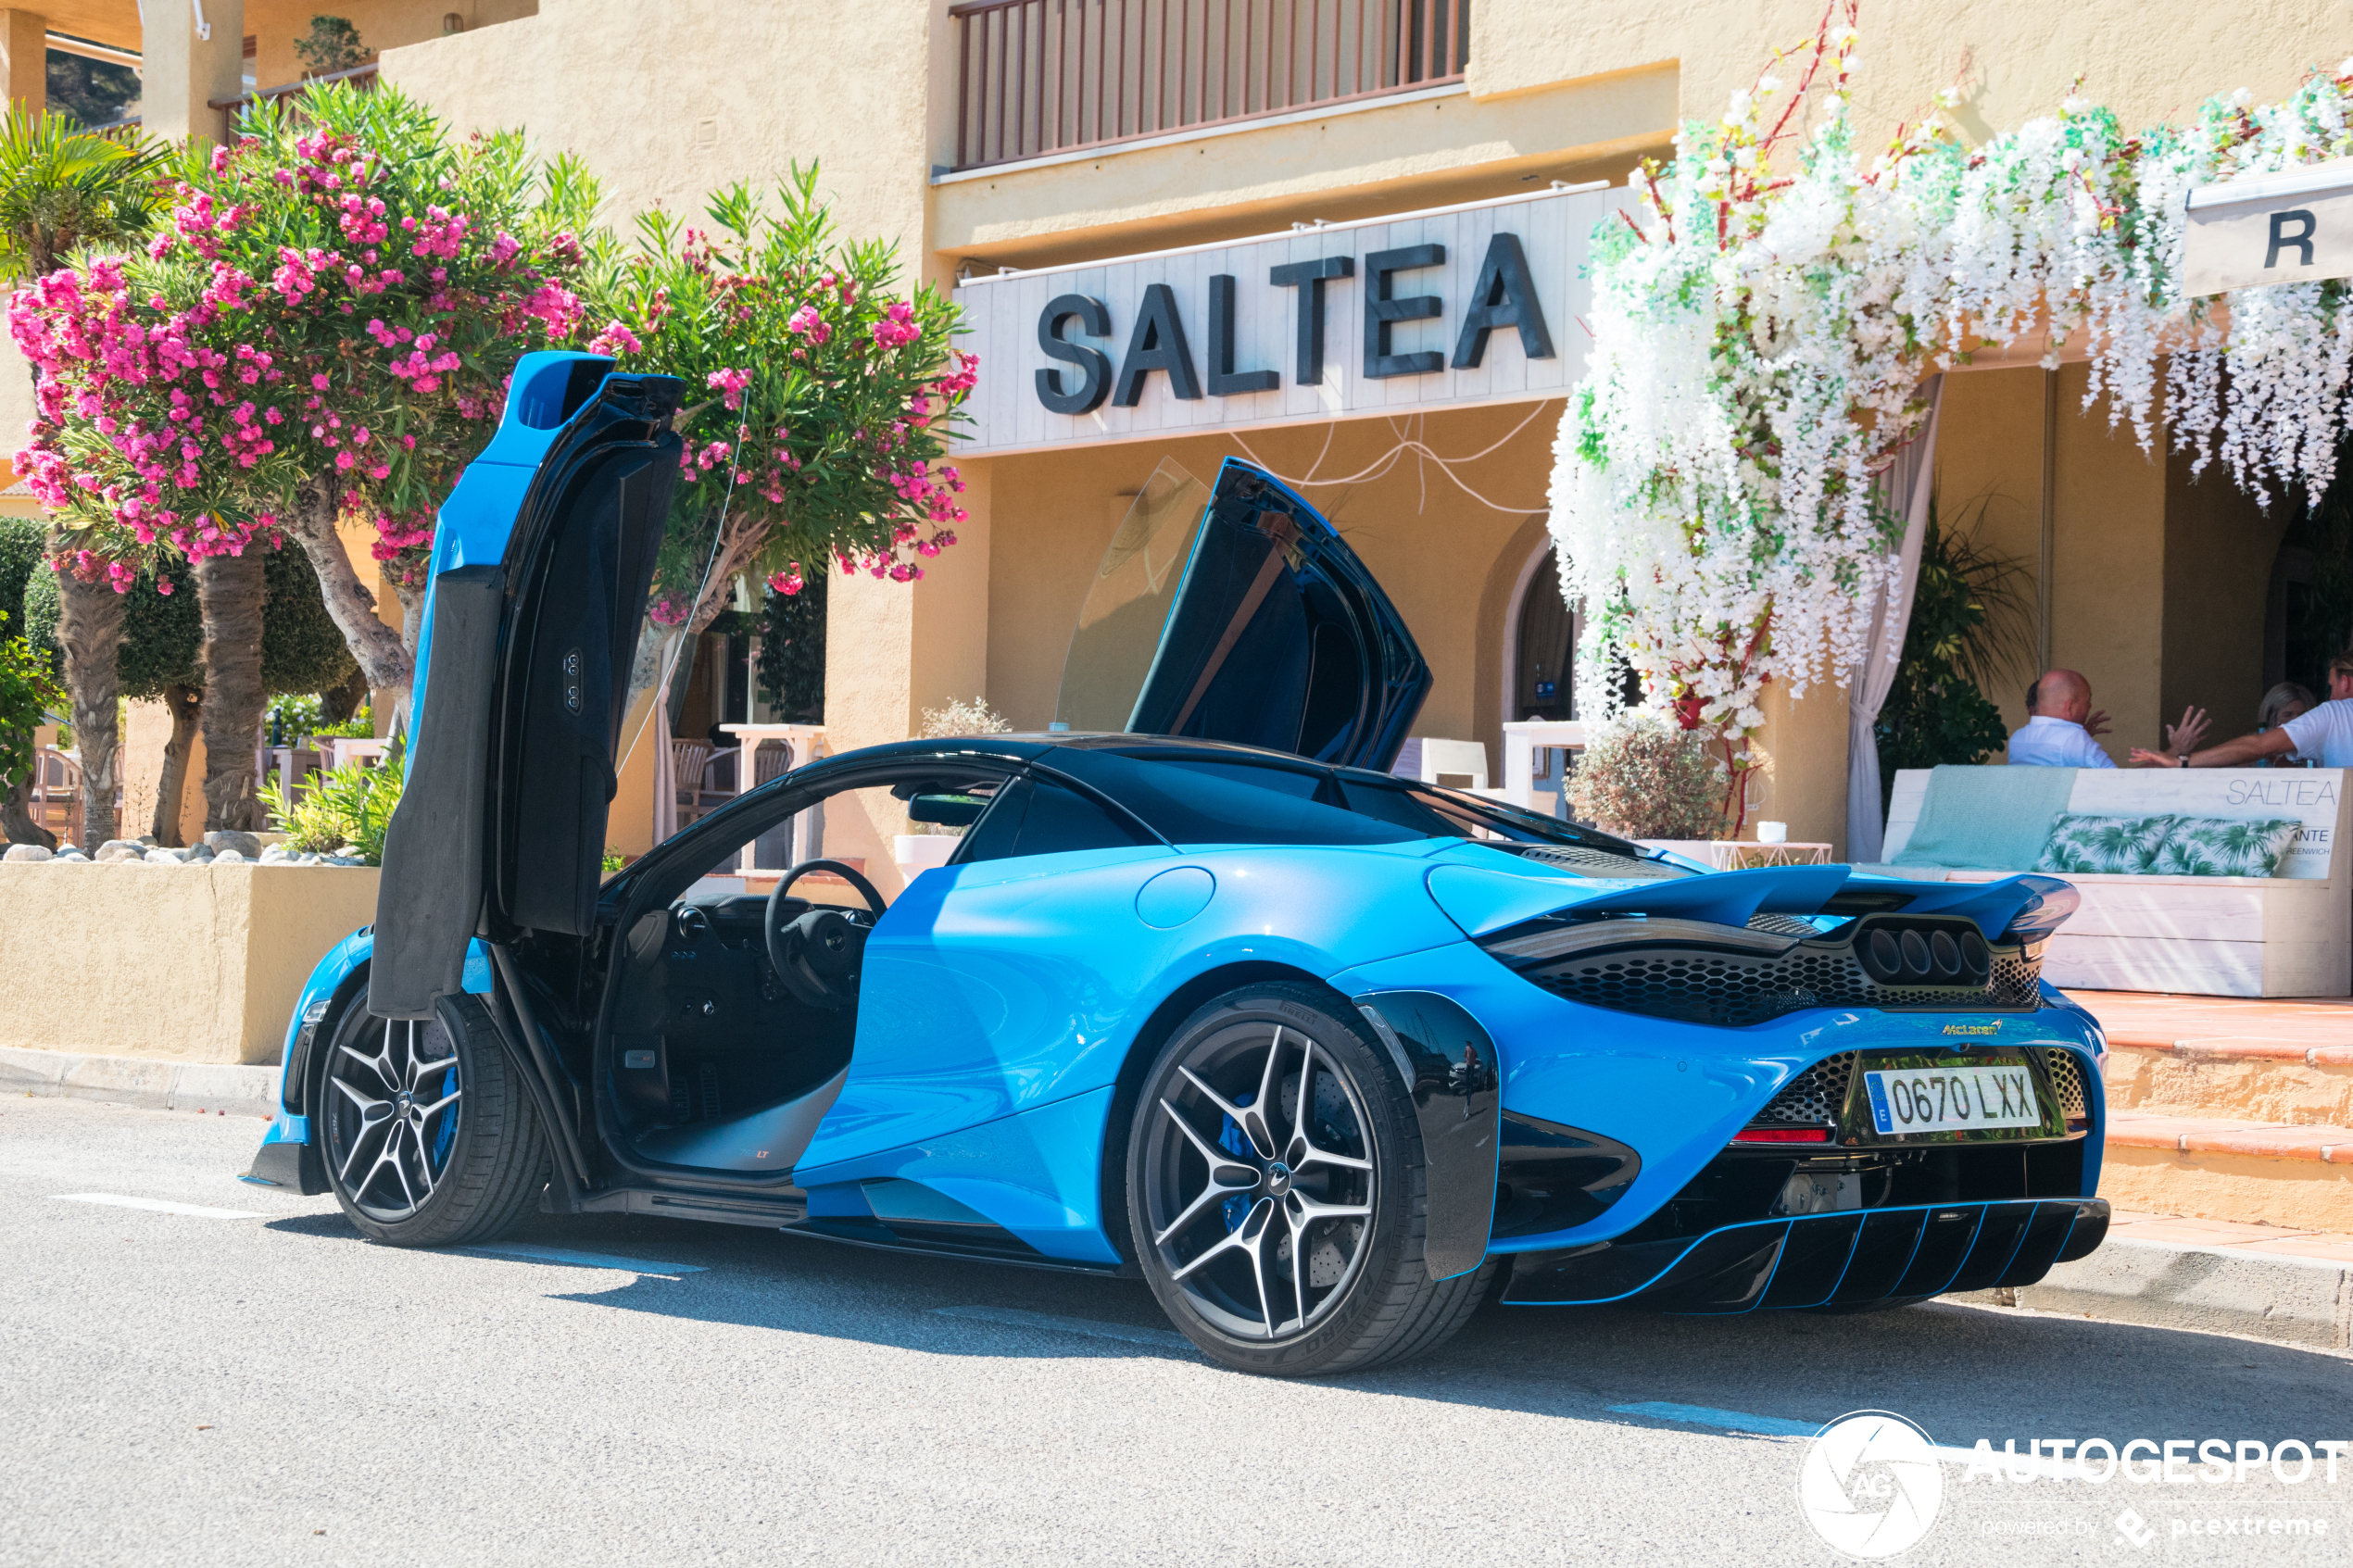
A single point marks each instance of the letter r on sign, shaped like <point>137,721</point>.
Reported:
<point>2282,239</point>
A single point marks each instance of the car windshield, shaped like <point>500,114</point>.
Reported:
<point>1213,797</point>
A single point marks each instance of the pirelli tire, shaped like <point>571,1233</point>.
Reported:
<point>1277,1192</point>
<point>426,1132</point>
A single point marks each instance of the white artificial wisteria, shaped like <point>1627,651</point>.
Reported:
<point>1762,336</point>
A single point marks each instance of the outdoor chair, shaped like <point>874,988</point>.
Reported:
<point>691,763</point>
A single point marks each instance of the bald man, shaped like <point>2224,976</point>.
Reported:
<point>2060,726</point>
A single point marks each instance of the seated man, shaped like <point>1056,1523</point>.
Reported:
<point>2325,733</point>
<point>2060,726</point>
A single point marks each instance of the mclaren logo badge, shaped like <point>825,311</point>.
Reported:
<point>1972,1029</point>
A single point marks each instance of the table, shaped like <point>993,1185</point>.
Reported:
<point>1746,853</point>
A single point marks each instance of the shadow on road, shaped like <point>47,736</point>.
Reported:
<point>1963,1372</point>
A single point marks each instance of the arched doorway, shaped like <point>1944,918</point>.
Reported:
<point>1541,656</point>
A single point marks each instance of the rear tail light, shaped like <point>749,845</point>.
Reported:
<point>1782,1135</point>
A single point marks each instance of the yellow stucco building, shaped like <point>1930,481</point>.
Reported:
<point>1006,143</point>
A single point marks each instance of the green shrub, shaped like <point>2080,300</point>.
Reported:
<point>351,806</point>
<point>1642,777</point>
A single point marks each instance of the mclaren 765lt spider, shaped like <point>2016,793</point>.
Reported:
<point>1205,995</point>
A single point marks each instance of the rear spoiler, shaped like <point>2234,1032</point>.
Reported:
<point>2016,908</point>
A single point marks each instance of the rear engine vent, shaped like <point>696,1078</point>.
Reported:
<point>1815,1096</point>
<point>2067,1077</point>
<point>1682,973</point>
<point>1600,862</point>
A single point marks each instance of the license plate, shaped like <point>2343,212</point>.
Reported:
<point>1945,1100</point>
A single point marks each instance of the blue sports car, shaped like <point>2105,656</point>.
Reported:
<point>1203,994</point>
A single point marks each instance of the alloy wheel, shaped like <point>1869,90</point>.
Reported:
<point>1259,1180</point>
<point>392,1102</point>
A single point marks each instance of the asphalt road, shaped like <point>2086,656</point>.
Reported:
<point>190,1389</point>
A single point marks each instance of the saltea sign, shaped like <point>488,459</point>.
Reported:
<point>1476,303</point>
<point>2292,226</point>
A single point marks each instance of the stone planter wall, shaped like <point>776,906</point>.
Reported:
<point>178,963</point>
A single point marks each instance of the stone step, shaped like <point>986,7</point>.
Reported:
<point>2244,1060</point>
<point>2290,1174</point>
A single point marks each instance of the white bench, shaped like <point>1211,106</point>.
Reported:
<point>2285,935</point>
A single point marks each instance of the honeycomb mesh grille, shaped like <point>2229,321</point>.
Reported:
<point>2067,1077</point>
<point>1735,990</point>
<point>1784,925</point>
<point>1815,1096</point>
<point>1600,862</point>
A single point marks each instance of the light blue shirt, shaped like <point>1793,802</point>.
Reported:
<point>2057,742</point>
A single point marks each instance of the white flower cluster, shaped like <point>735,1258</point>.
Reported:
<point>1761,338</point>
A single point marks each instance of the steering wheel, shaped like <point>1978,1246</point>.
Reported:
<point>818,954</point>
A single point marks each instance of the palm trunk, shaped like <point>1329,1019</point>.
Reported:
<point>311,524</point>
<point>15,814</point>
<point>89,631</point>
<point>187,704</point>
<point>230,590</point>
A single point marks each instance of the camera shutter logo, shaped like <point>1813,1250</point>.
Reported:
<point>1870,1485</point>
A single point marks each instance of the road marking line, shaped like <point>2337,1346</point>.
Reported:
<point>1735,1421</point>
<point>201,1212</point>
<point>1772,1425</point>
<point>582,1260</point>
<point>1165,1338</point>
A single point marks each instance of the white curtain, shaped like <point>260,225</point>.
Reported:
<point>1904,489</point>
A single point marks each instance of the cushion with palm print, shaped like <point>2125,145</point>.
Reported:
<point>2219,846</point>
<point>2103,844</point>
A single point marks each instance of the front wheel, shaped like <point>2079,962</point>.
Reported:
<point>1277,1192</point>
<point>426,1133</point>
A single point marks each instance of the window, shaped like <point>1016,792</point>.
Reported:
<point>1214,800</point>
<point>1041,817</point>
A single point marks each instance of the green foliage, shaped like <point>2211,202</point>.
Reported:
<point>820,400</point>
<point>27,691</point>
<point>615,860</point>
<point>1644,777</point>
<point>1966,630</point>
<point>61,186</point>
<point>23,552</point>
<point>360,726</point>
<point>792,654</point>
<point>163,632</point>
<point>332,45</point>
<point>351,806</point>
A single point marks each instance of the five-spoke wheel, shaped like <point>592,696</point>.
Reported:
<point>425,1129</point>
<point>1274,1177</point>
<point>392,1114</point>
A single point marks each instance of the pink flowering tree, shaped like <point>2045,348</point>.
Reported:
<point>829,393</point>
<point>319,334</point>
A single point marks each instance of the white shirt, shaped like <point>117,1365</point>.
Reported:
<point>2325,732</point>
<point>2058,743</point>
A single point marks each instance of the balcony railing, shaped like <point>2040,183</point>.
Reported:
<point>1041,77</point>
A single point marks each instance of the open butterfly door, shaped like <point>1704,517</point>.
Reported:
<point>541,566</point>
<point>1234,612</point>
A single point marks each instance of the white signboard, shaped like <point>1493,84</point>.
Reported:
<point>2292,227</point>
<point>2307,794</point>
<point>1474,304</point>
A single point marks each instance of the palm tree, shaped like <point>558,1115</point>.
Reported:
<point>62,187</point>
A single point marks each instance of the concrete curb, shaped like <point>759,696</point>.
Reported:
<point>2290,1300</point>
<point>141,1081</point>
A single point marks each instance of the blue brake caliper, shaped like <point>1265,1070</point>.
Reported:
<point>1234,1141</point>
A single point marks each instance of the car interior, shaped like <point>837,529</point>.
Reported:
<point>731,1013</point>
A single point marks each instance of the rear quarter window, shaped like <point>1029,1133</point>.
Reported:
<point>1193,801</point>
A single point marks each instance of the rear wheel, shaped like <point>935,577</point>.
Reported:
<point>425,1129</point>
<point>1277,1193</point>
